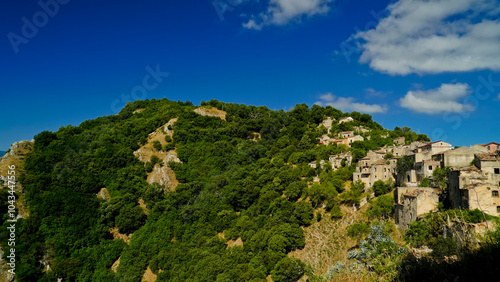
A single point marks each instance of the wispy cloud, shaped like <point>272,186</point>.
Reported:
<point>421,36</point>
<point>281,12</point>
<point>439,100</point>
<point>370,92</point>
<point>348,104</point>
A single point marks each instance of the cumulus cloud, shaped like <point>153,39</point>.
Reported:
<point>439,100</point>
<point>349,104</point>
<point>422,36</point>
<point>281,12</point>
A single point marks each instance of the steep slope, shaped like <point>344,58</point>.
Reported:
<point>242,172</point>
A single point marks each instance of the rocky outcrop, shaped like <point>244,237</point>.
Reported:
<point>211,112</point>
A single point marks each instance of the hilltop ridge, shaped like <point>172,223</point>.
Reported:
<point>173,191</point>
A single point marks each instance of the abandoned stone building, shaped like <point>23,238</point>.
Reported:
<point>460,157</point>
<point>412,203</point>
<point>369,172</point>
<point>399,141</point>
<point>336,160</point>
<point>346,134</point>
<point>426,151</point>
<point>425,168</point>
<point>477,186</point>
<point>354,139</point>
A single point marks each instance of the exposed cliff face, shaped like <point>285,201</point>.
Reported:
<point>15,156</point>
<point>211,112</point>
<point>161,174</point>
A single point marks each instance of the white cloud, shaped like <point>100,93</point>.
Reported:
<point>439,100</point>
<point>281,12</point>
<point>422,36</point>
<point>348,104</point>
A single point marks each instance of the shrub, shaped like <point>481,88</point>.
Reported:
<point>319,216</point>
<point>168,139</point>
<point>444,247</point>
<point>382,207</point>
<point>157,145</point>
<point>380,188</point>
<point>336,212</point>
<point>358,230</point>
<point>149,167</point>
<point>288,269</point>
<point>168,147</point>
<point>304,212</point>
<point>418,234</point>
<point>155,159</point>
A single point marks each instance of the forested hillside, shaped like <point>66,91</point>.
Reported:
<point>244,195</point>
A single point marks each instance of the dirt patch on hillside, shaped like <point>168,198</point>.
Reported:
<point>104,194</point>
<point>148,276</point>
<point>138,111</point>
<point>117,235</point>
<point>115,265</point>
<point>211,112</point>
<point>233,243</point>
<point>142,204</point>
<point>161,174</point>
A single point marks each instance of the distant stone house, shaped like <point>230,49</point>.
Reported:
<point>424,169</point>
<point>492,147</point>
<point>426,151</point>
<point>477,186</point>
<point>369,172</point>
<point>399,141</point>
<point>460,157</point>
<point>346,134</point>
<point>354,139</point>
<point>382,170</point>
<point>325,140</point>
<point>412,203</point>
<point>346,119</point>
<point>363,171</point>
<point>336,160</point>
<point>340,142</point>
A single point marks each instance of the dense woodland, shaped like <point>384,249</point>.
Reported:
<point>232,182</point>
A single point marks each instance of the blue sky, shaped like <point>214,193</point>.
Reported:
<point>431,65</point>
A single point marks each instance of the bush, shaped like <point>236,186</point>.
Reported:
<point>382,207</point>
<point>319,216</point>
<point>336,212</point>
<point>168,147</point>
<point>149,167</point>
<point>168,139</point>
<point>358,230</point>
<point>418,234</point>
<point>304,212</point>
<point>288,269</point>
<point>444,247</point>
<point>157,145</point>
<point>155,159</point>
<point>380,188</point>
